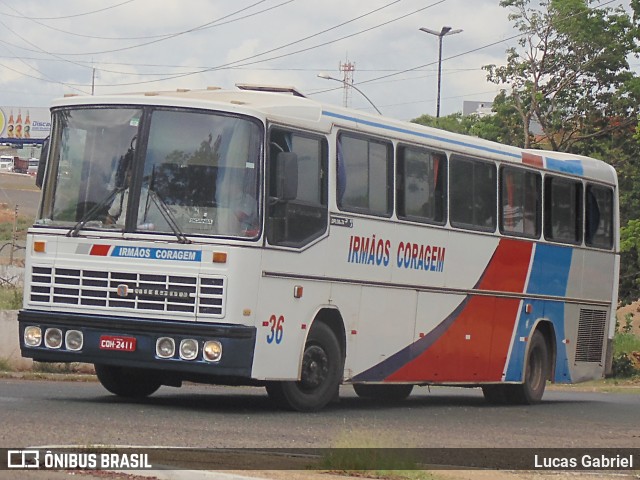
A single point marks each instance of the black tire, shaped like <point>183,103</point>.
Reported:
<point>535,378</point>
<point>384,393</point>
<point>320,376</point>
<point>535,375</point>
<point>127,382</point>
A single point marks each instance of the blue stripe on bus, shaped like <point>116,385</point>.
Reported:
<point>422,135</point>
<point>549,276</point>
<point>566,166</point>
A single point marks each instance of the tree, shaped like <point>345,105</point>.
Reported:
<point>570,73</point>
<point>501,127</point>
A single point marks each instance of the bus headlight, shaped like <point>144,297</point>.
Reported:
<point>212,351</point>
<point>53,338</point>
<point>33,336</point>
<point>188,349</point>
<point>165,347</point>
<point>74,340</point>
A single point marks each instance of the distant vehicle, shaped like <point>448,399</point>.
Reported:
<point>20,165</point>
<point>6,163</point>
<point>32,169</point>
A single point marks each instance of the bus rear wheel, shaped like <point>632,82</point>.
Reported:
<point>535,375</point>
<point>385,393</point>
<point>530,391</point>
<point>320,375</point>
<point>127,382</point>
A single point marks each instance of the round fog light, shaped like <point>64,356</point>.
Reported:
<point>53,337</point>
<point>74,340</point>
<point>165,347</point>
<point>33,336</point>
<point>212,351</point>
<point>188,349</point>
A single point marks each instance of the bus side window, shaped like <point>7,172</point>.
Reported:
<point>295,222</point>
<point>421,184</point>
<point>563,210</point>
<point>599,217</point>
<point>472,194</point>
<point>520,202</point>
<point>365,175</point>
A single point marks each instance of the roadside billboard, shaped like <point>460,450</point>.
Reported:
<point>24,124</point>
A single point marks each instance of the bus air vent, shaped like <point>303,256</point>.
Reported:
<point>591,332</point>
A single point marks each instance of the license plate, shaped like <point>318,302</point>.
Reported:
<point>121,344</point>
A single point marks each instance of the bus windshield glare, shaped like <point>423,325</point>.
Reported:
<point>167,171</point>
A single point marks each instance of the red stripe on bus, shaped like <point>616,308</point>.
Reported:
<point>476,345</point>
<point>531,159</point>
<point>100,250</point>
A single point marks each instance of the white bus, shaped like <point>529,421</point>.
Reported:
<point>261,238</point>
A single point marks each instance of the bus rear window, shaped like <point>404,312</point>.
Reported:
<point>599,221</point>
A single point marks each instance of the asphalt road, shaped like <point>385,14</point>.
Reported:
<point>37,413</point>
<point>21,190</point>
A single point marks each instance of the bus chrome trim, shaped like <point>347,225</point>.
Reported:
<point>447,290</point>
<point>197,296</point>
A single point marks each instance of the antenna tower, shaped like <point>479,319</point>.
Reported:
<point>347,70</point>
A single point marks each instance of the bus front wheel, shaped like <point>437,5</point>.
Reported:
<point>320,374</point>
<point>127,382</point>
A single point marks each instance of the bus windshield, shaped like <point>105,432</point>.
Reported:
<point>186,173</point>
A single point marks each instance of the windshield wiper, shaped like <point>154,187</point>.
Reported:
<point>168,216</point>
<point>92,211</point>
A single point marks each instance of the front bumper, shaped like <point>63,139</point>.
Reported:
<point>238,343</point>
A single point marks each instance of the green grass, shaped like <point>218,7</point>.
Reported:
<point>6,229</point>
<point>365,453</point>
<point>5,366</point>
<point>10,298</point>
<point>626,343</point>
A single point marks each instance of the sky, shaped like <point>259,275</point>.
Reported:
<point>48,49</point>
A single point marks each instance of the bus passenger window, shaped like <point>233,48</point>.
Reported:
<point>599,221</point>
<point>520,201</point>
<point>563,210</point>
<point>298,221</point>
<point>365,175</point>
<point>421,185</point>
<point>472,197</point>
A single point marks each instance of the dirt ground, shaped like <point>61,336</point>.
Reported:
<point>634,310</point>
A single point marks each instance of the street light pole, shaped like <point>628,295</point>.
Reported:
<point>326,76</point>
<point>441,34</point>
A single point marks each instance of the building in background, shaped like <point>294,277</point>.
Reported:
<point>478,108</point>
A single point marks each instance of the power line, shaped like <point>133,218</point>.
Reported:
<point>160,37</point>
<point>4,14</point>
<point>234,63</point>
<point>231,64</point>
<point>371,80</point>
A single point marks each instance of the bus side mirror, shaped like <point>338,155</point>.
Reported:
<point>286,176</point>
<point>42,163</point>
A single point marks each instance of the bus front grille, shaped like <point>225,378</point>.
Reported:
<point>201,295</point>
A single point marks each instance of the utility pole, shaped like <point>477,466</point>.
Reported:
<point>441,34</point>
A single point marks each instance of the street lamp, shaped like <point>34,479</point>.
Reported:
<point>326,76</point>
<point>441,34</point>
